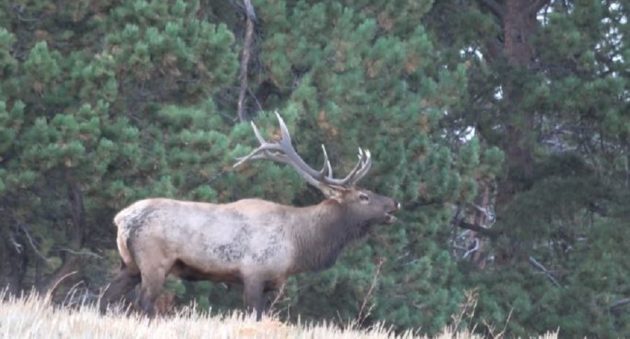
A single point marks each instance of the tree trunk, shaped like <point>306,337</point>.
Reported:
<point>519,26</point>
<point>250,16</point>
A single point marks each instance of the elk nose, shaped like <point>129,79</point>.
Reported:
<point>397,205</point>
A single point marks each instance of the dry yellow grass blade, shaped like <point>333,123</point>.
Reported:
<point>33,317</point>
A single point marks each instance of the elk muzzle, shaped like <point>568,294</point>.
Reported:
<point>389,217</point>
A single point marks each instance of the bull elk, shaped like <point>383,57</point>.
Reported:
<point>254,242</point>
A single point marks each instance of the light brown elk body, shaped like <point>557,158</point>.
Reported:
<point>254,242</point>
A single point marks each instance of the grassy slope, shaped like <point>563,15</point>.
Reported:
<point>33,317</point>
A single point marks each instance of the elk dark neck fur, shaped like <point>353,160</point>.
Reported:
<point>323,233</point>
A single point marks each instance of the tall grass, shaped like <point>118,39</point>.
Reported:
<point>33,316</point>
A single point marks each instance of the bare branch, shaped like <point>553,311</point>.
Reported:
<point>472,250</point>
<point>279,295</point>
<point>32,243</point>
<point>249,10</point>
<point>82,252</point>
<point>16,245</point>
<point>251,94</point>
<point>617,304</point>
<point>51,291</point>
<point>245,56</point>
<point>543,269</point>
<point>363,313</point>
<point>487,212</point>
<point>507,321</point>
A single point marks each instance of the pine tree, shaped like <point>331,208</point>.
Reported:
<point>547,84</point>
<point>95,114</point>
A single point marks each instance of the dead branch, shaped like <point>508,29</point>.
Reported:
<point>86,253</point>
<point>543,269</point>
<point>32,243</point>
<point>487,213</point>
<point>507,321</point>
<point>16,245</point>
<point>250,16</point>
<point>615,306</point>
<point>278,296</point>
<point>472,250</point>
<point>51,291</point>
<point>363,313</point>
<point>467,308</point>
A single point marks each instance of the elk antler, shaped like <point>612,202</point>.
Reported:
<point>283,151</point>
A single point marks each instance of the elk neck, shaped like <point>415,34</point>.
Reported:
<point>322,233</point>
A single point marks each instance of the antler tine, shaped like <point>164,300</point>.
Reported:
<point>291,156</point>
<point>264,147</point>
<point>261,140</point>
<point>366,165</point>
<point>355,169</point>
<point>283,151</point>
<point>284,131</point>
<point>327,165</point>
<point>358,171</point>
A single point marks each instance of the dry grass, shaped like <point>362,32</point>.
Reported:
<point>34,317</point>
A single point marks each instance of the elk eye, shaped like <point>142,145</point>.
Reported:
<point>363,197</point>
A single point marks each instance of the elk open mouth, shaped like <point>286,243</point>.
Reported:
<point>390,218</point>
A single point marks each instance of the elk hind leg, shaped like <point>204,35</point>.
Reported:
<point>152,283</point>
<point>124,281</point>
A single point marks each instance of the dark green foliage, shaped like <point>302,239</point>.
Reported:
<point>83,133</point>
<point>555,100</point>
<point>106,102</point>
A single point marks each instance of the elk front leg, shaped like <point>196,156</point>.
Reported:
<point>254,297</point>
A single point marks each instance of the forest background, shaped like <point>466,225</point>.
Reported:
<point>502,126</point>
